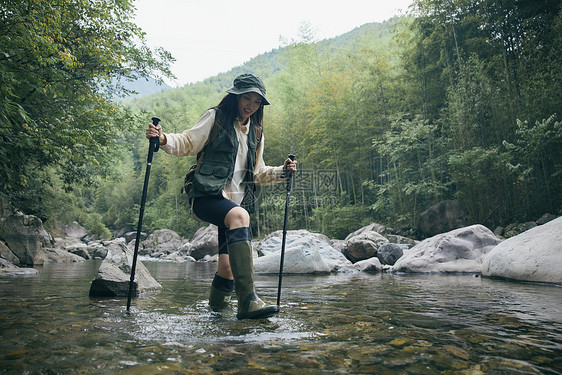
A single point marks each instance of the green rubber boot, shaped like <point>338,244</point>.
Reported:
<point>250,306</point>
<point>221,292</point>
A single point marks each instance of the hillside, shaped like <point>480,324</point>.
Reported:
<point>376,36</point>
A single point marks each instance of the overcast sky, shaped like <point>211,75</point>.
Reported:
<point>208,37</point>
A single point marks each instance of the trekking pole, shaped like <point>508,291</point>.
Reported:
<point>153,146</point>
<point>289,174</point>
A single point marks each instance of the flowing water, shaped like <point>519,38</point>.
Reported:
<point>337,324</point>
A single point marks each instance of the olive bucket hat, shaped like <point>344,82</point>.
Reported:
<point>248,83</point>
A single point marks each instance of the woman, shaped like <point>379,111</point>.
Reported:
<point>232,162</point>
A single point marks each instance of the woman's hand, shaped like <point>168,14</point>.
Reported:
<point>290,165</point>
<point>156,131</point>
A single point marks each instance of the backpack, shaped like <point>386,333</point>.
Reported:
<point>188,181</point>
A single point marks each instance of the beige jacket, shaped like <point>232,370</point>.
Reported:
<point>191,141</point>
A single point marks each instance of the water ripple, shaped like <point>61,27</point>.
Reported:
<point>353,323</point>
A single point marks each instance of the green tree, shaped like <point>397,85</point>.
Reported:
<point>61,61</point>
<point>536,155</point>
<point>486,182</point>
<point>415,175</point>
<point>476,69</point>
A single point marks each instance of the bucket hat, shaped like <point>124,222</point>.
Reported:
<point>248,83</point>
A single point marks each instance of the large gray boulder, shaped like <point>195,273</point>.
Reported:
<point>301,260</point>
<point>273,242</point>
<point>8,269</point>
<point>374,227</point>
<point>74,230</point>
<point>160,243</point>
<point>54,255</point>
<point>442,217</point>
<point>401,240</point>
<point>80,249</point>
<point>305,253</point>
<point>6,253</point>
<point>26,238</point>
<point>204,242</point>
<point>114,274</point>
<point>132,236</point>
<point>534,255</point>
<point>371,265</point>
<point>545,218</point>
<point>364,245</point>
<point>389,253</point>
<point>460,250</point>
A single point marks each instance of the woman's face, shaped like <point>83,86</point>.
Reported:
<point>248,104</point>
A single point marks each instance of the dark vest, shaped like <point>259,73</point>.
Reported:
<point>217,167</point>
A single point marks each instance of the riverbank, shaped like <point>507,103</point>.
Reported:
<point>533,255</point>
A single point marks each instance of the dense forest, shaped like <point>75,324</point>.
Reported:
<point>460,99</point>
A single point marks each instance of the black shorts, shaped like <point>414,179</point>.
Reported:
<point>213,210</point>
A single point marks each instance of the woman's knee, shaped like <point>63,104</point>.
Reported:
<point>236,218</point>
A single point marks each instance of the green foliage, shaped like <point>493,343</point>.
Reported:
<point>56,57</point>
<point>95,227</point>
<point>484,181</point>
<point>475,70</point>
<point>338,222</point>
<point>537,154</point>
<point>415,168</point>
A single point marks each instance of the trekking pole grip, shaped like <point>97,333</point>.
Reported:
<point>288,172</point>
<point>155,141</point>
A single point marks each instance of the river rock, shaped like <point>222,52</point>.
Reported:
<point>6,209</point>
<point>514,229</point>
<point>132,236</point>
<point>114,274</point>
<point>63,242</point>
<point>374,227</point>
<point>371,265</point>
<point>178,257</point>
<point>204,242</point>
<point>8,269</point>
<point>55,255</point>
<point>364,245</point>
<point>297,261</point>
<point>534,255</point>
<point>161,242</point>
<point>273,242</point>
<point>305,253</point>
<point>339,245</point>
<point>80,249</point>
<point>26,238</point>
<point>389,253</point>
<point>460,250</point>
<point>545,219</point>
<point>401,240</point>
<point>6,253</point>
<point>100,252</point>
<point>74,230</point>
<point>442,217</point>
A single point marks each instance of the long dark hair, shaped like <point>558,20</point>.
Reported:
<point>229,104</point>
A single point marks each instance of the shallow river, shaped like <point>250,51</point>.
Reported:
<point>338,324</point>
